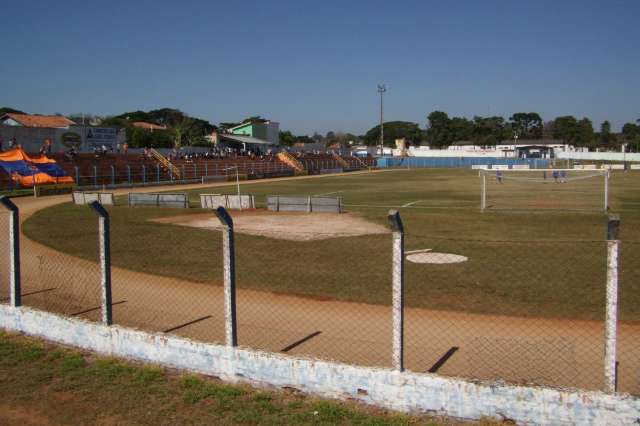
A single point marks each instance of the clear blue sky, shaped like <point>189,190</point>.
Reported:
<point>314,65</point>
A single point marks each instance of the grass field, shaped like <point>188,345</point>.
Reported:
<point>41,383</point>
<point>523,263</point>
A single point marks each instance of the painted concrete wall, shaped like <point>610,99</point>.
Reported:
<point>399,391</point>
<point>457,162</point>
<point>32,138</point>
<point>266,131</point>
<point>602,156</point>
<point>246,130</point>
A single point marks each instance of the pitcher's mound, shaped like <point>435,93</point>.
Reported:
<point>285,226</point>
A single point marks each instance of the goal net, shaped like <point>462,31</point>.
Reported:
<point>544,189</point>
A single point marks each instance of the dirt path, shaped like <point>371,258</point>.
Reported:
<point>555,352</point>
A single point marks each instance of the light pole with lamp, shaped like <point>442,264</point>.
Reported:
<point>381,89</point>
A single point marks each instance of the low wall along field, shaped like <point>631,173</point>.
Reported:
<point>526,306</point>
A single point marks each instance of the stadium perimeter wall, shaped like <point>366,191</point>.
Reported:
<point>457,162</point>
<point>599,156</point>
<point>396,390</point>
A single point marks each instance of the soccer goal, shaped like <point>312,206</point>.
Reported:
<point>544,189</point>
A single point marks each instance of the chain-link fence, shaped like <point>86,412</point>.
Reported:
<point>527,312</point>
<point>62,283</point>
<point>314,294</point>
<point>159,284</point>
<point>628,350</point>
<point>520,311</point>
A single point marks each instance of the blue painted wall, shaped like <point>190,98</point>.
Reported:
<point>456,162</point>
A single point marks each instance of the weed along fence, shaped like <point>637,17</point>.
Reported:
<point>213,201</point>
<point>306,313</point>
<point>158,200</point>
<point>309,204</point>
<point>104,198</point>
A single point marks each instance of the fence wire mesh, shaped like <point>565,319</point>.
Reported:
<point>321,295</point>
<point>529,312</point>
<point>4,256</point>
<point>167,278</point>
<point>520,311</point>
<point>67,284</point>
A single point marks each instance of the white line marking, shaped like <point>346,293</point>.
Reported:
<point>328,193</point>
<point>418,251</point>
<point>411,203</point>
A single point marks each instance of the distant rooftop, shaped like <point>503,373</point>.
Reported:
<point>27,120</point>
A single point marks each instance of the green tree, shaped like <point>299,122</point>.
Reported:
<point>438,133</point>
<point>566,128</point>
<point>488,131</point>
<point>8,110</point>
<point>631,135</point>
<point>394,130</point>
<point>287,138</point>
<point>528,125</point>
<point>461,129</point>
<point>585,136</point>
<point>607,139</point>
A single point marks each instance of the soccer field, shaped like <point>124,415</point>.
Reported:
<point>525,304</point>
<point>537,262</point>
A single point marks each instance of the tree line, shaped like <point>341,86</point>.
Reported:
<point>440,130</point>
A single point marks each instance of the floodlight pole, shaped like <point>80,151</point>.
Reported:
<point>381,89</point>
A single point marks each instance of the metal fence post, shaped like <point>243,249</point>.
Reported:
<point>95,175</point>
<point>113,175</point>
<point>129,174</point>
<point>14,253</point>
<point>105,262</point>
<point>229,266</point>
<point>77,175</point>
<point>158,173</point>
<point>606,191</point>
<point>144,175</point>
<point>397,274</point>
<point>611,311</point>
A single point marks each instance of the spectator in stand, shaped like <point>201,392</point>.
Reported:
<point>12,143</point>
<point>125,148</point>
<point>118,148</point>
<point>43,148</point>
<point>49,145</point>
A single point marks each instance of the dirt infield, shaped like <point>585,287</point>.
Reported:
<point>286,226</point>
<point>484,346</point>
